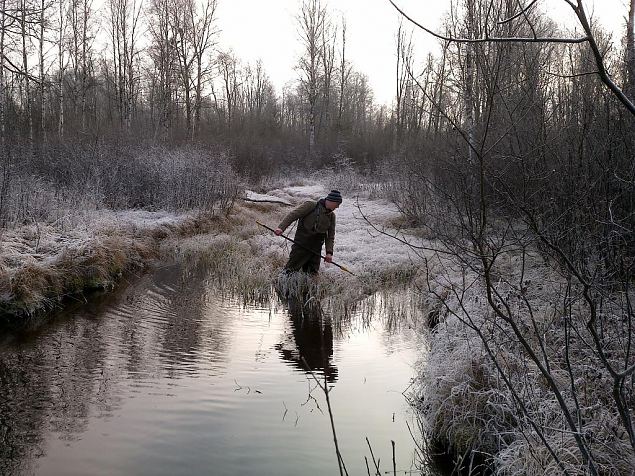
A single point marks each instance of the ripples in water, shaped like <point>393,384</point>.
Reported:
<point>166,376</point>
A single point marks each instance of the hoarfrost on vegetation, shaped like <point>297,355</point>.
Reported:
<point>40,263</point>
<point>463,392</point>
<point>43,242</point>
<point>357,245</point>
<point>249,258</point>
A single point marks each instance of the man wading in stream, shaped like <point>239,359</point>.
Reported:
<point>316,224</point>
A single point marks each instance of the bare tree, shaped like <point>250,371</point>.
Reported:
<point>202,28</point>
<point>183,41</point>
<point>124,35</point>
<point>328,64</point>
<point>42,79</point>
<point>228,68</point>
<point>404,64</point>
<point>3,29</point>
<point>61,58</point>
<point>312,24</point>
<point>630,52</point>
<point>344,75</point>
<point>163,55</point>
<point>80,24</point>
<point>25,36</point>
<point>578,8</point>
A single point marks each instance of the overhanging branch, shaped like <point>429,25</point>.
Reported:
<point>491,39</point>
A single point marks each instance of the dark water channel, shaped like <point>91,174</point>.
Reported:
<point>167,377</point>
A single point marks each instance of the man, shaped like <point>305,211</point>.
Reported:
<point>316,224</point>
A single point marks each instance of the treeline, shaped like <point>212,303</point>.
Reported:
<point>154,72</point>
<point>79,83</point>
<point>523,130</point>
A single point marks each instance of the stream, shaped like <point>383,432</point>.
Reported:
<point>166,376</point>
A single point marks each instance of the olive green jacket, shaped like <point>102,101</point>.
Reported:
<point>316,219</point>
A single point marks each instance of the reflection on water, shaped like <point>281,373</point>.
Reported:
<point>311,342</point>
<point>167,377</point>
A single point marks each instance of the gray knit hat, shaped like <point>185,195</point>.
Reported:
<point>334,196</point>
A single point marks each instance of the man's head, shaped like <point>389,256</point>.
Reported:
<point>333,200</point>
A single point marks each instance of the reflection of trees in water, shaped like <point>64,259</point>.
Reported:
<point>54,378</point>
<point>20,420</point>
<point>195,327</point>
<point>46,386</point>
<point>312,340</point>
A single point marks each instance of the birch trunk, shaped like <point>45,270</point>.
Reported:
<point>3,4</point>
<point>630,53</point>
<point>42,101</point>
<point>25,65</point>
<point>60,85</point>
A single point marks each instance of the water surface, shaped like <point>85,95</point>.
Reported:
<point>168,377</point>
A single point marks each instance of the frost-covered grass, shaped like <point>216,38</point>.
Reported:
<point>40,264</point>
<point>481,391</point>
<point>75,216</point>
<point>247,258</point>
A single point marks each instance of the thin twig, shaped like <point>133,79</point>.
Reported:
<point>340,460</point>
<point>375,462</point>
<point>488,39</point>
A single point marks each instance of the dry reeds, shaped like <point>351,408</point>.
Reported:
<point>34,282</point>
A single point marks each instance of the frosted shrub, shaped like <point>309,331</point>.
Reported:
<point>188,179</point>
<point>342,174</point>
<point>67,180</point>
<point>410,191</point>
<point>29,199</point>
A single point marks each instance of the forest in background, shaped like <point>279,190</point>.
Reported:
<point>103,86</point>
<point>517,138</point>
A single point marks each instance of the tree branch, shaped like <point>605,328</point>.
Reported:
<point>488,39</point>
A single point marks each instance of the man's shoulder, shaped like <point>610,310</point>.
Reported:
<point>308,204</point>
<point>303,208</point>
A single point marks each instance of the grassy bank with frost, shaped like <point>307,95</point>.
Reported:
<point>246,259</point>
<point>40,265</point>
<point>77,218</point>
<point>484,397</point>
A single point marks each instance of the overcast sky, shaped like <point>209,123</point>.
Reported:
<point>266,30</point>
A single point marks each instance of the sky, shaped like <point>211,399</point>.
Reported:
<point>266,30</point>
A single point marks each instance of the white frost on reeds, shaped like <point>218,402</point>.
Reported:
<point>42,262</point>
<point>248,257</point>
<point>467,403</point>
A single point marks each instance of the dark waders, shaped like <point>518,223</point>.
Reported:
<point>307,256</point>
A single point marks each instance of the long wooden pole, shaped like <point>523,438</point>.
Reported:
<point>306,248</point>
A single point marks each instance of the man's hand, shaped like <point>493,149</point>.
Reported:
<point>328,258</point>
<point>278,231</point>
